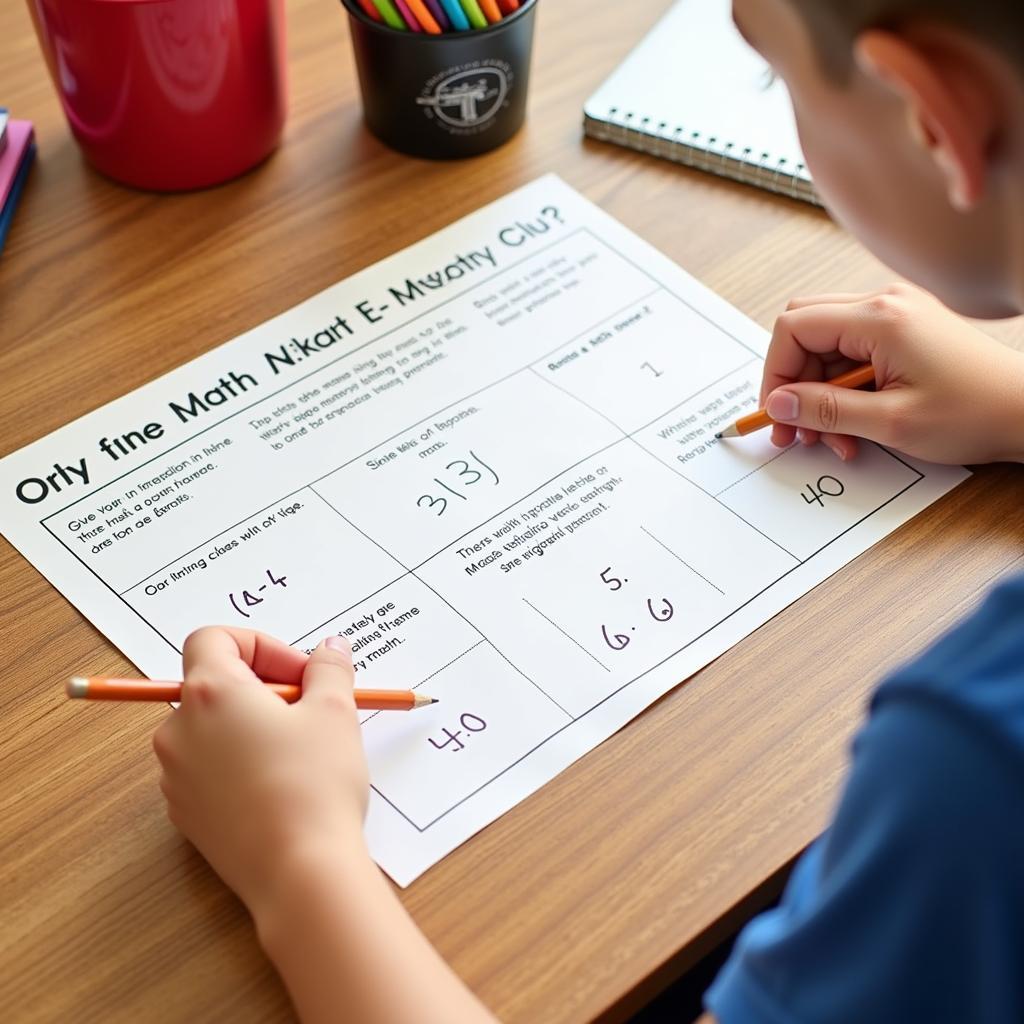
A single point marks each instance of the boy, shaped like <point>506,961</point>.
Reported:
<point>911,906</point>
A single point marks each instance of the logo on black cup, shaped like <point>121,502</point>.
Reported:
<point>466,99</point>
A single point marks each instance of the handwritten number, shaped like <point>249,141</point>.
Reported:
<point>827,487</point>
<point>613,582</point>
<point>445,487</point>
<point>250,600</point>
<point>469,722</point>
<point>488,468</point>
<point>465,476</point>
<point>617,642</point>
<point>431,502</point>
<point>466,471</point>
<point>666,612</point>
<point>453,737</point>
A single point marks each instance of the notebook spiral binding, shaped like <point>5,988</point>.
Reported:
<point>706,153</point>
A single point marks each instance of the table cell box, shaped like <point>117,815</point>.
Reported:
<point>282,571</point>
<point>685,438</point>
<point>401,636</point>
<point>806,497</point>
<point>644,359</point>
<point>488,717</point>
<point>415,497</point>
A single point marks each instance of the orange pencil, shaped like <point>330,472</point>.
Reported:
<point>491,10</point>
<point>101,688</point>
<point>424,17</point>
<point>855,378</point>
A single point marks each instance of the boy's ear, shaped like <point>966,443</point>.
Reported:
<point>951,111</point>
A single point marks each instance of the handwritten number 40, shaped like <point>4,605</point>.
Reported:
<point>471,723</point>
<point>827,487</point>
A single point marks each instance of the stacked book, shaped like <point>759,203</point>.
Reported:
<point>17,150</point>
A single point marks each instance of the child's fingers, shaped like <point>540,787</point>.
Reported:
<point>212,656</point>
<point>842,445</point>
<point>329,673</point>
<point>831,410</point>
<point>813,331</point>
<point>783,435</point>
<point>818,368</point>
<point>225,652</point>
<point>813,369</point>
<point>828,299</point>
<point>271,659</point>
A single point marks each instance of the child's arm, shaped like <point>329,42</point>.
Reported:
<point>944,391</point>
<point>273,795</point>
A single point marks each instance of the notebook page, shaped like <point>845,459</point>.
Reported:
<point>693,79</point>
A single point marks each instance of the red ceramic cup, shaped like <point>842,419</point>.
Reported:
<point>168,94</point>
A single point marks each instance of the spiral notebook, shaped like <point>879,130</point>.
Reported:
<point>693,91</point>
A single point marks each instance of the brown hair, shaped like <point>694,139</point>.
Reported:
<point>834,24</point>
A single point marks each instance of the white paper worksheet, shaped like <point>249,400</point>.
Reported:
<point>489,462</point>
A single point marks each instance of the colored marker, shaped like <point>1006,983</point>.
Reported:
<point>407,16</point>
<point>386,9</point>
<point>473,12</point>
<point>456,15</point>
<point>371,11</point>
<point>491,10</point>
<point>439,16</point>
<point>508,6</point>
<point>424,17</point>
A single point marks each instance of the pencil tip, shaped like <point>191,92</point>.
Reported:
<point>433,700</point>
<point>76,686</point>
<point>729,431</point>
<point>718,437</point>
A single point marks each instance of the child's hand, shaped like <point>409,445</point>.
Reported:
<point>273,796</point>
<point>257,784</point>
<point>945,392</point>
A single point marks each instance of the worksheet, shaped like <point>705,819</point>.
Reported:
<point>489,462</point>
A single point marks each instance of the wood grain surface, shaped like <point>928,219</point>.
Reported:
<point>617,876</point>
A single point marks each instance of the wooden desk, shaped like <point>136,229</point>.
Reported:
<point>617,876</point>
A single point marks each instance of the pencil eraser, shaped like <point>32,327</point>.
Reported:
<point>77,687</point>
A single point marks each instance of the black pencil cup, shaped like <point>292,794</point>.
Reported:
<point>444,96</point>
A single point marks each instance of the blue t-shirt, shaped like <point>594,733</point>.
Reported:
<point>910,908</point>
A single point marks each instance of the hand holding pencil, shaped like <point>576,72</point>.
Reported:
<point>944,391</point>
<point>252,781</point>
<point>855,378</point>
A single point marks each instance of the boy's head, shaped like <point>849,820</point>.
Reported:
<point>911,114</point>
